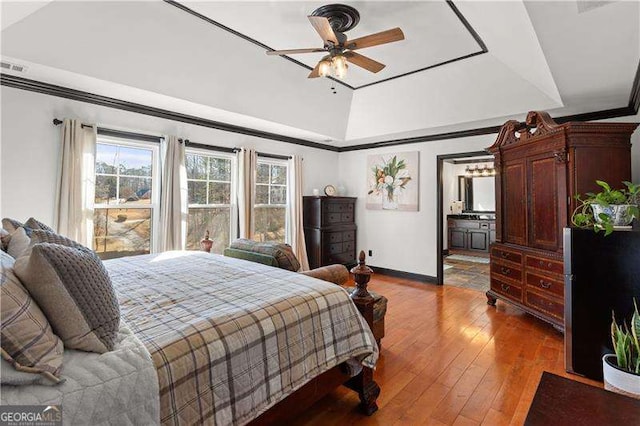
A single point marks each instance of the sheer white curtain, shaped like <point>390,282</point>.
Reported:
<point>173,196</point>
<point>247,165</point>
<point>76,182</point>
<point>295,227</point>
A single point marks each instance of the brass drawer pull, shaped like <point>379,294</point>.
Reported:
<point>544,284</point>
<point>505,271</point>
<point>505,287</point>
<point>549,265</point>
<point>504,254</point>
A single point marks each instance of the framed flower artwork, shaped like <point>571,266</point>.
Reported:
<point>392,181</point>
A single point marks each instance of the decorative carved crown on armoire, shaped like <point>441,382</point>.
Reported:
<point>540,166</point>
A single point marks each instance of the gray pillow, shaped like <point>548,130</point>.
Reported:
<point>42,236</point>
<point>36,224</point>
<point>11,224</point>
<point>73,289</point>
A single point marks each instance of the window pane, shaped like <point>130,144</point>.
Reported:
<point>262,175</point>
<point>135,190</point>
<point>278,195</point>
<point>214,220</point>
<point>269,224</point>
<point>196,166</point>
<point>121,232</point>
<point>105,189</point>
<point>279,174</point>
<point>106,158</point>
<point>197,192</point>
<point>219,169</point>
<point>135,161</point>
<point>262,194</point>
<point>219,193</point>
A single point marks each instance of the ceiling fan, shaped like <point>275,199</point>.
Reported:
<point>331,22</point>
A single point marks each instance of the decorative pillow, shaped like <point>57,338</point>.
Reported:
<point>18,242</point>
<point>36,224</point>
<point>11,224</point>
<point>281,252</point>
<point>41,236</point>
<point>74,290</point>
<point>28,342</point>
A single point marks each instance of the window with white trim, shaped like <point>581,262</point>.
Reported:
<point>270,209</point>
<point>211,189</point>
<point>126,197</point>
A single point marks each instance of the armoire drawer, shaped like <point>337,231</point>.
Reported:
<point>507,289</point>
<point>511,256</point>
<point>506,271</point>
<point>544,264</point>
<point>550,306</point>
<point>338,207</point>
<point>545,285</point>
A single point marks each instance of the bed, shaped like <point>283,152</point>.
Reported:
<point>213,340</point>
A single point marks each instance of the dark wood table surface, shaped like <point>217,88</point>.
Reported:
<point>560,401</point>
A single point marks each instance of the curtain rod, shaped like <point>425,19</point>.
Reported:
<point>190,144</point>
<point>119,133</point>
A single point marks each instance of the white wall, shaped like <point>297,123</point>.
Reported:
<point>404,241</point>
<point>29,147</point>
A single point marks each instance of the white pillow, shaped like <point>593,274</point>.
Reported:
<point>18,243</point>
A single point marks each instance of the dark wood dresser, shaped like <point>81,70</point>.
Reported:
<point>541,166</point>
<point>330,230</point>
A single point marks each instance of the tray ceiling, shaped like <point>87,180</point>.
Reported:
<point>434,34</point>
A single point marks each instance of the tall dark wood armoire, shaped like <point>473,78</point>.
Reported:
<point>329,230</point>
<point>541,166</point>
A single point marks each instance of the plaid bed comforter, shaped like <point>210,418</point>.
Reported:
<point>230,338</point>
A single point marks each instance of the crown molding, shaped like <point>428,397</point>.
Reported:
<point>78,95</point>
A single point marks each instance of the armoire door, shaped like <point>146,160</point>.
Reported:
<point>545,177</point>
<point>514,207</point>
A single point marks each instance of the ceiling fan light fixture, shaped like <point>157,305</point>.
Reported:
<point>325,68</point>
<point>339,63</point>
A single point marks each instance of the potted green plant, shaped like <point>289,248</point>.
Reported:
<point>622,369</point>
<point>607,209</point>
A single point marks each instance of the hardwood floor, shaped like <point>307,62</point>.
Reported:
<point>448,358</point>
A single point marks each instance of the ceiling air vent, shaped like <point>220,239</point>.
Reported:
<point>13,67</point>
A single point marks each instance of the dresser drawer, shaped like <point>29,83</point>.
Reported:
<point>347,246</point>
<point>340,258</point>
<point>335,248</point>
<point>544,304</point>
<point>511,256</point>
<point>337,207</point>
<point>545,284</point>
<point>509,290</point>
<point>347,217</point>
<point>545,264</point>
<point>507,271</point>
<point>348,236</point>
<point>335,237</point>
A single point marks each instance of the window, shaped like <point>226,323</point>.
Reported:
<point>271,200</point>
<point>125,206</point>
<point>211,194</point>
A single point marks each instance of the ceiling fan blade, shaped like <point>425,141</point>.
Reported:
<point>364,62</point>
<point>323,27</point>
<point>294,51</point>
<point>376,39</point>
<point>316,72</point>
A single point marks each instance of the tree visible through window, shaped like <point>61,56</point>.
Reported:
<point>124,205</point>
<point>271,200</point>
<point>209,180</point>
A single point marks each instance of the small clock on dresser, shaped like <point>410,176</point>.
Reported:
<point>330,190</point>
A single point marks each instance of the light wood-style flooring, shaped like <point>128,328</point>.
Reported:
<point>448,358</point>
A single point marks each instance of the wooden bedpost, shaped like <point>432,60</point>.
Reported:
<point>363,383</point>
